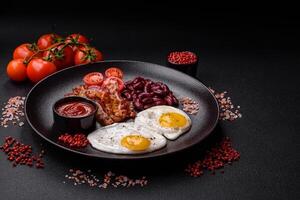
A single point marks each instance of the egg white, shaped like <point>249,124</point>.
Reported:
<point>150,118</point>
<point>108,138</point>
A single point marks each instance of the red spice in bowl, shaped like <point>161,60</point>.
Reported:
<point>182,57</point>
<point>184,61</point>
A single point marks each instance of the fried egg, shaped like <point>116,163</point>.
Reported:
<point>166,120</point>
<point>124,138</point>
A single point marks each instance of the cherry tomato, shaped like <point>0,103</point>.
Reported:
<point>87,55</point>
<point>94,78</point>
<point>38,69</point>
<point>114,79</point>
<point>16,70</point>
<point>61,56</point>
<point>24,51</point>
<point>47,40</point>
<point>115,72</point>
<point>76,39</point>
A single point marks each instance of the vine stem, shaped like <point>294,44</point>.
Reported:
<point>51,47</point>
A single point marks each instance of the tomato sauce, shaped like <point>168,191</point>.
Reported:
<point>75,109</point>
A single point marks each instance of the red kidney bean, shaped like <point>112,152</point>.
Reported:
<point>134,96</point>
<point>160,92</point>
<point>169,100</point>
<point>165,88</point>
<point>147,100</point>
<point>146,106</point>
<point>137,79</point>
<point>127,95</point>
<point>138,85</point>
<point>156,98</point>
<point>145,95</point>
<point>137,104</point>
<point>147,87</point>
<point>174,99</point>
<point>160,102</point>
<point>130,87</point>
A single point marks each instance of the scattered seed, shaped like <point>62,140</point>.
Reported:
<point>217,157</point>
<point>12,111</point>
<point>79,177</point>
<point>189,105</point>
<point>75,141</point>
<point>20,154</point>
<point>228,111</point>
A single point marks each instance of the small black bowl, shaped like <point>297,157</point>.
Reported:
<point>190,68</point>
<point>74,124</point>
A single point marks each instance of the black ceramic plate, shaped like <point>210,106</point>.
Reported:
<point>38,106</point>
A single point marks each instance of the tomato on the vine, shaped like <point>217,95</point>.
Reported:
<point>114,79</point>
<point>76,40</point>
<point>38,69</point>
<point>47,40</point>
<point>62,56</point>
<point>114,71</point>
<point>16,70</point>
<point>87,55</point>
<point>25,51</point>
<point>94,78</point>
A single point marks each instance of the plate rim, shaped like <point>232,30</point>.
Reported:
<point>134,157</point>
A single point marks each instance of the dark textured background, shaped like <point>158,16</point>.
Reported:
<point>254,55</point>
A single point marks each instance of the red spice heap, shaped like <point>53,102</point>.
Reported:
<point>183,57</point>
<point>80,177</point>
<point>227,109</point>
<point>76,141</point>
<point>21,154</point>
<point>217,157</point>
<point>189,105</point>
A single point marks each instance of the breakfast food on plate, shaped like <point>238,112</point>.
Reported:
<point>124,138</point>
<point>112,107</point>
<point>166,120</point>
<point>146,93</point>
<point>117,102</point>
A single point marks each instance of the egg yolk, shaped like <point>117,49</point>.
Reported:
<point>172,120</point>
<point>135,142</point>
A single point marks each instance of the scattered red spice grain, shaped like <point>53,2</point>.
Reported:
<point>183,57</point>
<point>228,111</point>
<point>189,105</point>
<point>217,157</point>
<point>13,112</point>
<point>122,181</point>
<point>79,177</point>
<point>21,154</point>
<point>75,141</point>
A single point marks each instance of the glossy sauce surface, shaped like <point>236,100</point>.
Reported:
<point>75,109</point>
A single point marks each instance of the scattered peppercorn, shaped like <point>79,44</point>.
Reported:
<point>80,177</point>
<point>183,57</point>
<point>189,105</point>
<point>75,141</point>
<point>217,157</point>
<point>228,111</point>
<point>13,112</point>
<point>21,154</point>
